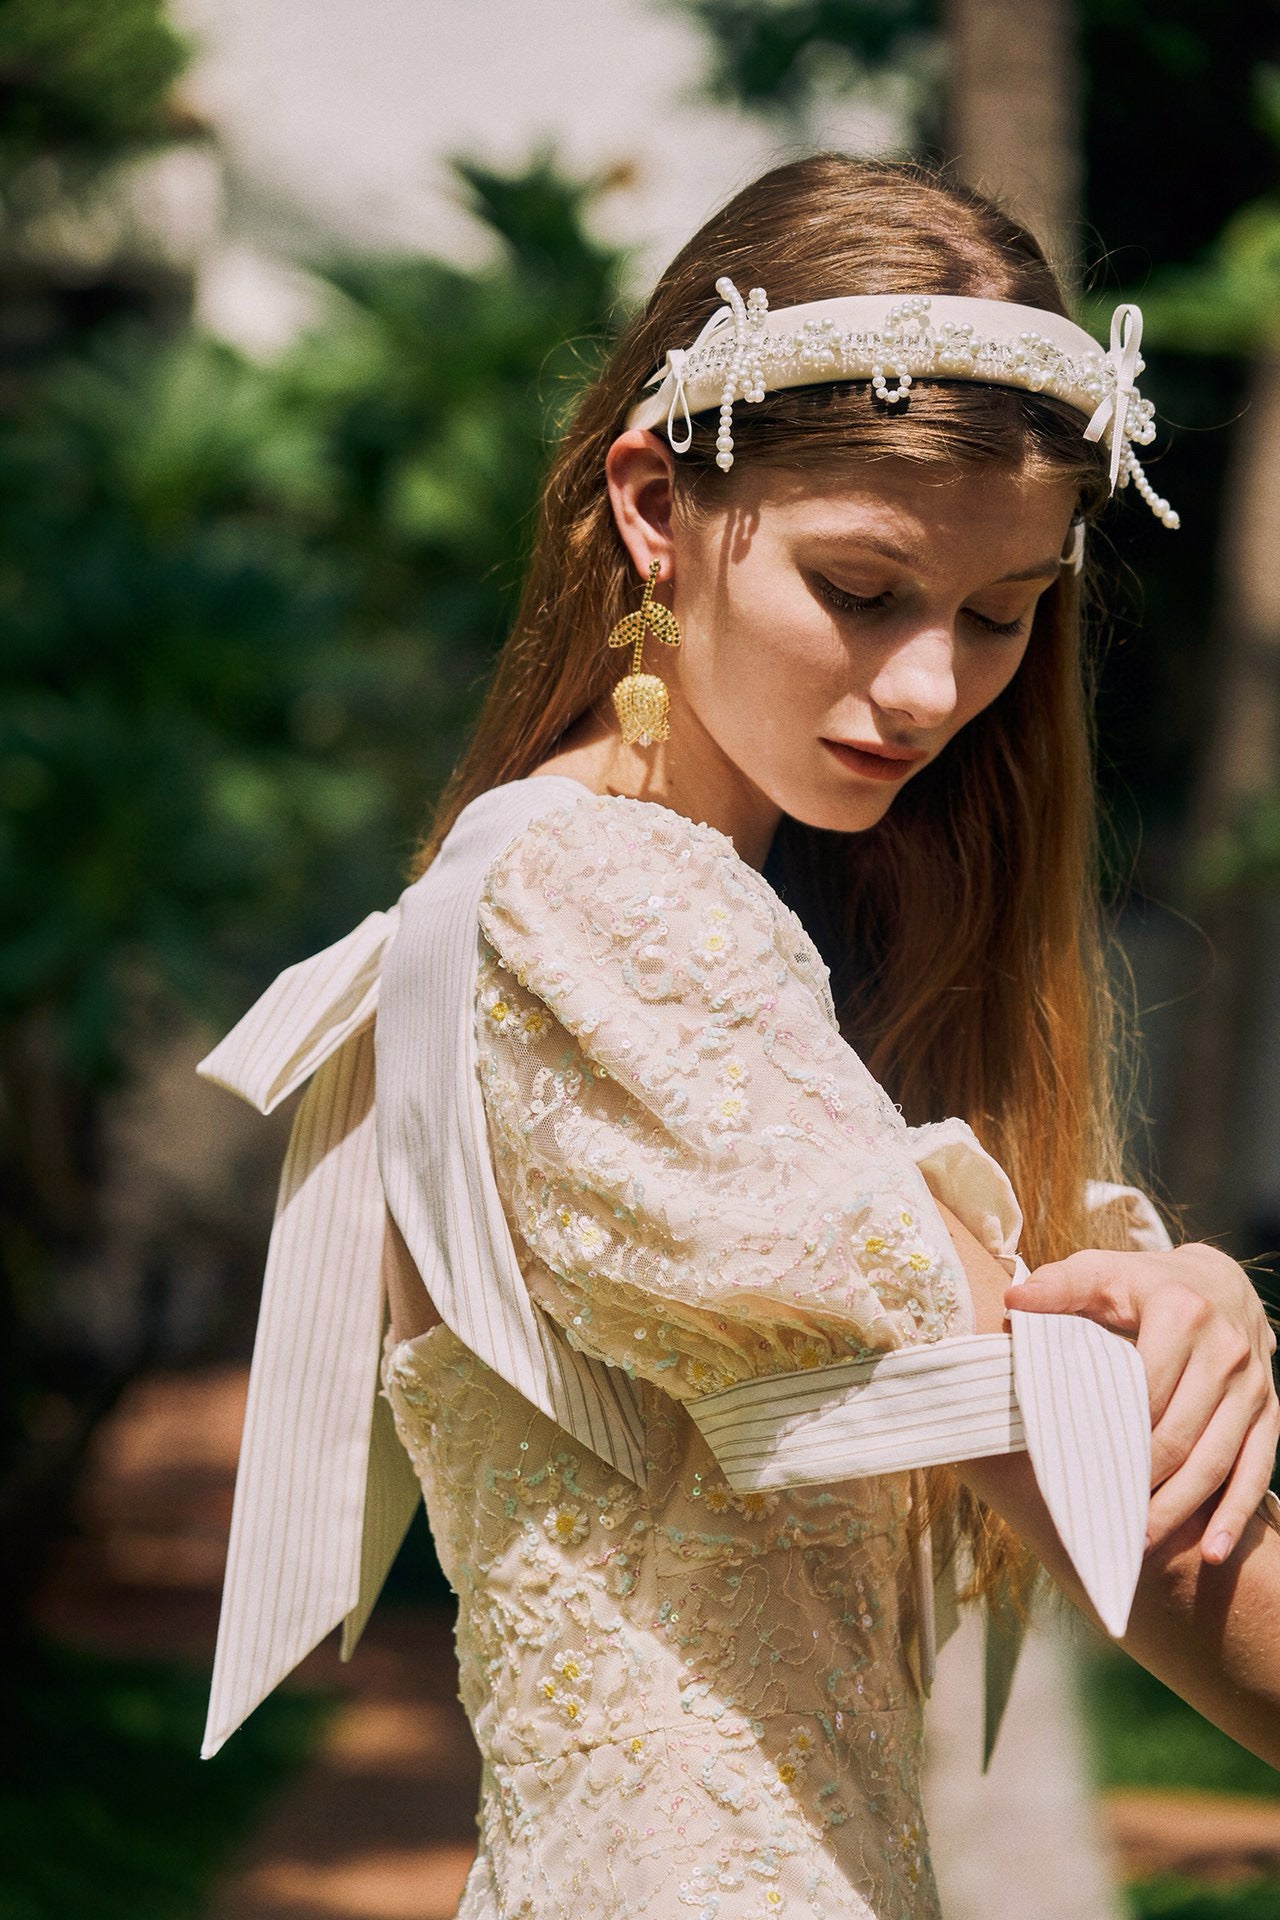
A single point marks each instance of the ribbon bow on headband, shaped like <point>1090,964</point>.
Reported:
<point>745,351</point>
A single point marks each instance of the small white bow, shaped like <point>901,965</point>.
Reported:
<point>1125,363</point>
<point>674,370</point>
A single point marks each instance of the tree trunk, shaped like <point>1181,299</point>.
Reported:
<point>1013,113</point>
<point>1211,1147</point>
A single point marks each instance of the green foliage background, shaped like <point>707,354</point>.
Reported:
<point>245,608</point>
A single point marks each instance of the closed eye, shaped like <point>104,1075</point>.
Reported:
<point>1006,627</point>
<point>845,602</point>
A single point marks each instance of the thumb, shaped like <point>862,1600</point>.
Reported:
<point>1083,1283</point>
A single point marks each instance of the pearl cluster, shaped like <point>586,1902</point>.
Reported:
<point>906,348</point>
<point>748,360</point>
<point>745,372</point>
<point>1131,470</point>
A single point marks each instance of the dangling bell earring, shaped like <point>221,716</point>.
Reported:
<point>641,699</point>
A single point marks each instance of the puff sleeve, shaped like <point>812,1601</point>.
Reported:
<point>703,1181</point>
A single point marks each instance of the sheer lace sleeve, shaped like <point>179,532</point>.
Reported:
<point>704,1181</point>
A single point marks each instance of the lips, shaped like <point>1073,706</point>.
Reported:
<point>874,763</point>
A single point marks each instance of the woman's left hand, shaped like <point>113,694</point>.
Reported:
<point>1207,1347</point>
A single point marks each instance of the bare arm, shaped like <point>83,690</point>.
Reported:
<point>1211,1633</point>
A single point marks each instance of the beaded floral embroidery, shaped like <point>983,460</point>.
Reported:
<point>691,1703</point>
<point>706,1183</point>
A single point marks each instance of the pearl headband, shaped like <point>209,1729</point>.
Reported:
<point>744,352</point>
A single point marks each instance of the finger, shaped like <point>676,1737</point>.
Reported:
<point>1249,1480</point>
<point>1089,1283</point>
<point>1200,1476</point>
<point>1179,1424</point>
<point>1181,1349</point>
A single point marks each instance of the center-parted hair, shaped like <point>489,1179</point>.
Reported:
<point>963,929</point>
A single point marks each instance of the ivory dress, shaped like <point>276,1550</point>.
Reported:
<point>689,1700</point>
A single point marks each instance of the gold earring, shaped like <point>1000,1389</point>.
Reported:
<point>641,700</point>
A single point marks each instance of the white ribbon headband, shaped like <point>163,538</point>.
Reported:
<point>744,351</point>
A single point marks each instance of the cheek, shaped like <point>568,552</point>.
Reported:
<point>985,675</point>
<point>764,641</point>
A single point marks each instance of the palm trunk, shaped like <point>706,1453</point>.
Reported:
<point>1013,119</point>
<point>1210,1131</point>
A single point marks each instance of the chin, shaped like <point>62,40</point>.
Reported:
<point>838,812</point>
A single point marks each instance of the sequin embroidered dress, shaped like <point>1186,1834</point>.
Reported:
<point>687,1701</point>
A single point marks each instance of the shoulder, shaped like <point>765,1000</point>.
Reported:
<point>646,885</point>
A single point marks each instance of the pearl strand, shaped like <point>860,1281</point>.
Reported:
<point>1132,471</point>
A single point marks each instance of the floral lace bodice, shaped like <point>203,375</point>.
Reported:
<point>688,1701</point>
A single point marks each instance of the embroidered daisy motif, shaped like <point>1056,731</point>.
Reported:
<point>573,1666</point>
<point>728,1115</point>
<point>566,1526</point>
<point>705,1378</point>
<point>715,942</point>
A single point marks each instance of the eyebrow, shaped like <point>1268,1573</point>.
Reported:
<point>1042,570</point>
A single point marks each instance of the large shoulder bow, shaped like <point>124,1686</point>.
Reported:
<point>324,1490</point>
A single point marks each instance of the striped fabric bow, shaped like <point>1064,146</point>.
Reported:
<point>324,1489</point>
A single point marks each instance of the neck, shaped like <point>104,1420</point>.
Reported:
<point>687,773</point>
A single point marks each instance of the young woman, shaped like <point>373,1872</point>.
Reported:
<point>700,1244</point>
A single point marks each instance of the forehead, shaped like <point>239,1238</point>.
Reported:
<point>1006,516</point>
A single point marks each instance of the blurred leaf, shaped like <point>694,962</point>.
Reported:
<point>109,1810</point>
<point>766,55</point>
<point>248,607</point>
<point>1229,301</point>
<point>90,79</point>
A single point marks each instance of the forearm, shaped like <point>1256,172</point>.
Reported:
<point>1211,1633</point>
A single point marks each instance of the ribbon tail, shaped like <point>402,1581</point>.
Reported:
<point>1083,1396</point>
<point>923,1640</point>
<point>298,1525</point>
<point>303,1017</point>
<point>1005,1632</point>
<point>392,1497</point>
<point>1099,417</point>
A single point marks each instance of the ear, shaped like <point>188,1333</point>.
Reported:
<point>639,468</point>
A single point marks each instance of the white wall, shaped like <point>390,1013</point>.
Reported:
<point>337,119</point>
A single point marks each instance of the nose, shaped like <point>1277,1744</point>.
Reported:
<point>916,677</point>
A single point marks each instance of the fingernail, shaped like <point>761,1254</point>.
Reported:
<point>1220,1546</point>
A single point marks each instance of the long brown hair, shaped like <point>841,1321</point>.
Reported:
<point>965,927</point>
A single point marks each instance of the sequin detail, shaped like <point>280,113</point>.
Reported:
<point>689,1701</point>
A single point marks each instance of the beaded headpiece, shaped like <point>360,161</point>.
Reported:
<point>744,351</point>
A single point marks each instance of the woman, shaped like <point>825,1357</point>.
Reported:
<point>675,1268</point>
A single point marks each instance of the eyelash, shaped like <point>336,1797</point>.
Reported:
<point>858,603</point>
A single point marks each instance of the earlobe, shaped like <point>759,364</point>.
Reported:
<point>639,469</point>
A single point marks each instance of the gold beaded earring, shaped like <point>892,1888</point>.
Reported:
<point>641,700</point>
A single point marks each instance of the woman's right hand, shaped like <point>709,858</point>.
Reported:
<point>1207,1348</point>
